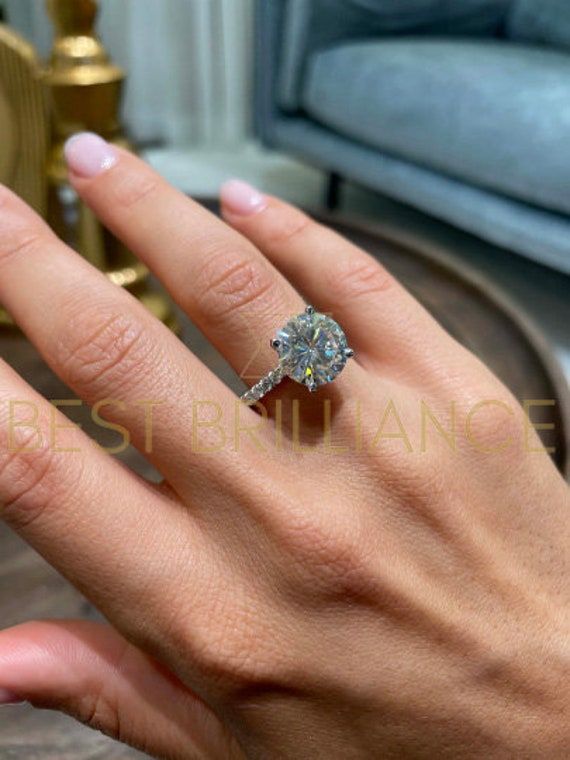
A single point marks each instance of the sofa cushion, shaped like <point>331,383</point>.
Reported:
<point>528,230</point>
<point>544,22</point>
<point>310,25</point>
<point>490,113</point>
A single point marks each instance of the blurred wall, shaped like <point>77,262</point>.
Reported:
<point>189,63</point>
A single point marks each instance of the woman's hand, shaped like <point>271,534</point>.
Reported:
<point>380,570</point>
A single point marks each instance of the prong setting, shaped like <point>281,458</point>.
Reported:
<point>312,350</point>
<point>311,384</point>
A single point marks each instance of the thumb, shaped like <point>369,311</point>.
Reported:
<point>90,672</point>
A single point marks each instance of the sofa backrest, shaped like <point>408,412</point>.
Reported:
<point>314,24</point>
<point>541,22</point>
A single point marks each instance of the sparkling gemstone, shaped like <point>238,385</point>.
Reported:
<point>313,348</point>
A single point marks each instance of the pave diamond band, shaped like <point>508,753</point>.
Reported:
<point>312,350</point>
<point>266,384</point>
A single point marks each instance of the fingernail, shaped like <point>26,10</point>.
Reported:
<point>242,199</point>
<point>8,698</point>
<point>88,155</point>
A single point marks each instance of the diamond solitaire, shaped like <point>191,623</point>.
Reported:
<point>312,350</point>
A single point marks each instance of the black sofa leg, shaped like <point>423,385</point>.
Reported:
<point>332,193</point>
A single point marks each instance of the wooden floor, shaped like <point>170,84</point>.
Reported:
<point>30,589</point>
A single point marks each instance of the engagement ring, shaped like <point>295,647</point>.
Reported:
<point>312,350</point>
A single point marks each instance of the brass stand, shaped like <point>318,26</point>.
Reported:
<point>24,130</point>
<point>84,91</point>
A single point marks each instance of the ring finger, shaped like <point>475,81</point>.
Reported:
<point>390,327</point>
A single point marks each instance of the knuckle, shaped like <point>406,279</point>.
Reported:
<point>334,558</point>
<point>101,708</point>
<point>226,660</point>
<point>18,241</point>
<point>229,642</point>
<point>134,187</point>
<point>101,349</point>
<point>31,480</point>
<point>21,233</point>
<point>229,284</point>
<point>493,425</point>
<point>220,631</point>
<point>292,225</point>
<point>423,484</point>
<point>100,712</point>
<point>357,276</point>
<point>414,475</point>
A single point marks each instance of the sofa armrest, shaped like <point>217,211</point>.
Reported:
<point>310,25</point>
<point>268,43</point>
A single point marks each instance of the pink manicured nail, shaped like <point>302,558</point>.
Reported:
<point>7,698</point>
<point>242,199</point>
<point>88,155</point>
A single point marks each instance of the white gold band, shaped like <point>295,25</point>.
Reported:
<point>266,384</point>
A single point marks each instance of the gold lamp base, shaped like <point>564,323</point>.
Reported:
<point>78,90</point>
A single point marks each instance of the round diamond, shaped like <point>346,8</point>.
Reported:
<point>313,348</point>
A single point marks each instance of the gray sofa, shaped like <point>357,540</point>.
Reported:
<point>460,108</point>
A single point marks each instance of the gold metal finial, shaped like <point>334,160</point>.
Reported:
<point>85,90</point>
<point>85,86</point>
<point>79,89</point>
<point>24,125</point>
<point>72,18</point>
